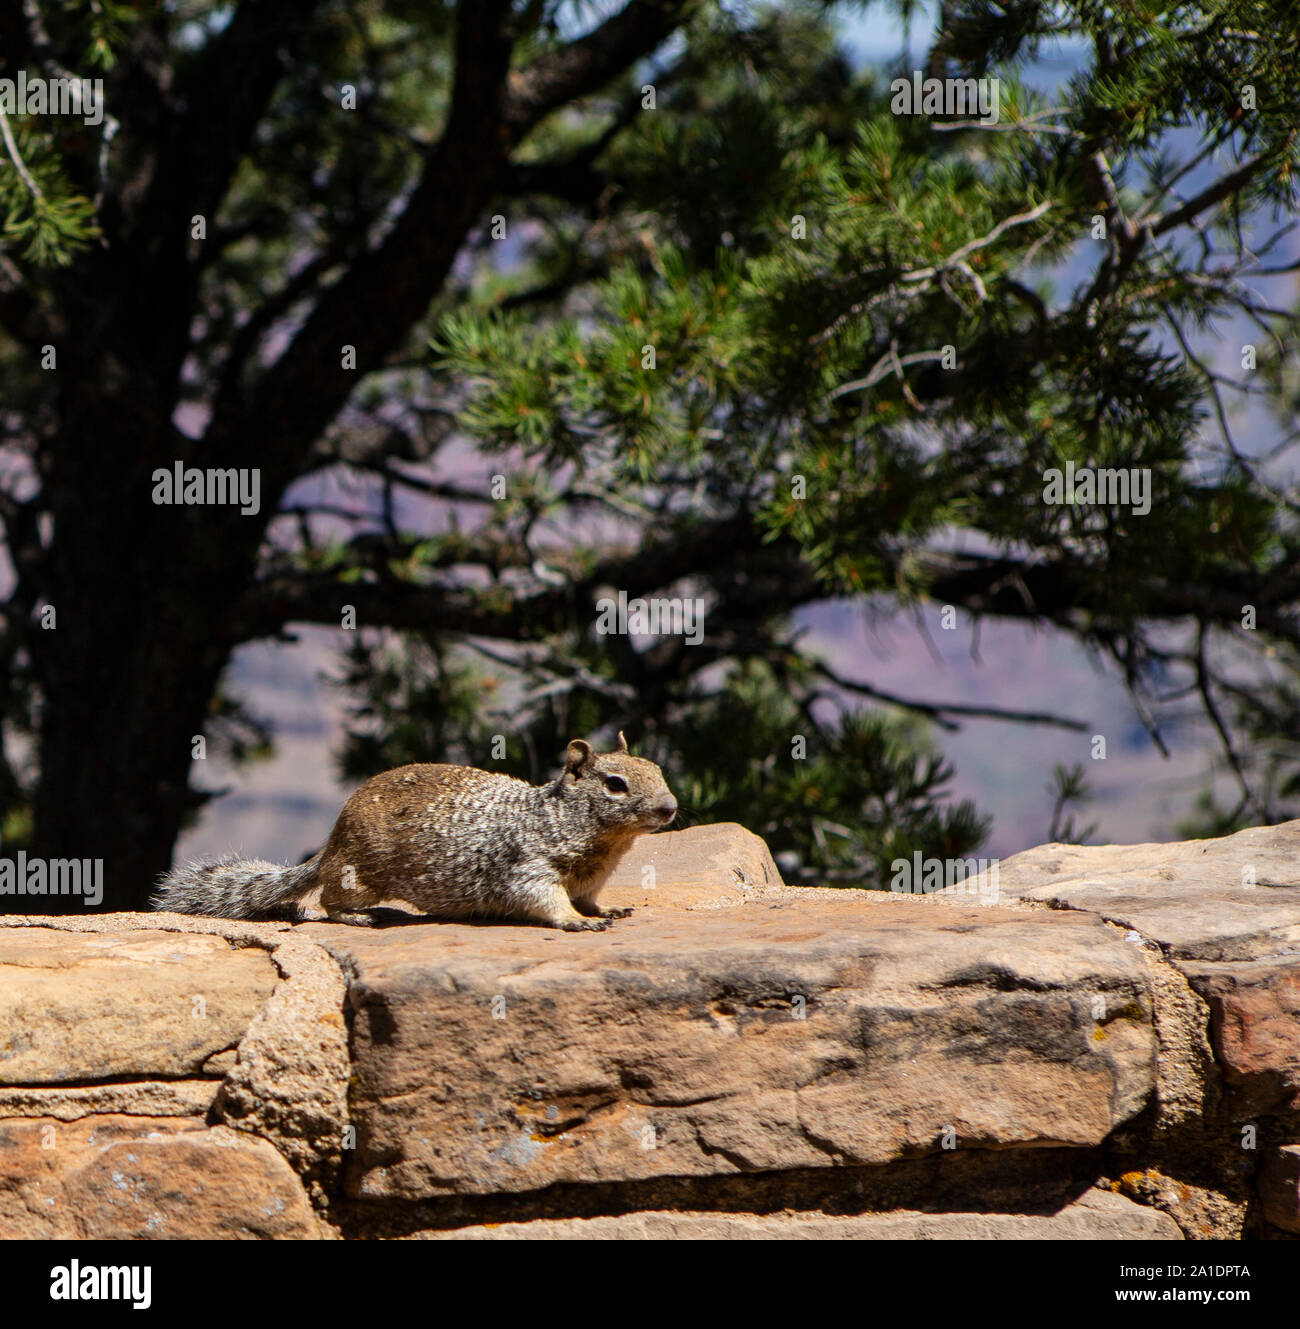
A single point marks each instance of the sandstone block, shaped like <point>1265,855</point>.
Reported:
<point>808,1030</point>
<point>126,1178</point>
<point>81,1007</point>
<point>1234,898</point>
<point>1095,1216</point>
<point>1279,1188</point>
<point>703,867</point>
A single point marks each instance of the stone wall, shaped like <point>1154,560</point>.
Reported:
<point>1108,1048</point>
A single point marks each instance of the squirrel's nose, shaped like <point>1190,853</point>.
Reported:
<point>667,809</point>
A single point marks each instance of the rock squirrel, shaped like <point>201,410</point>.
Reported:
<point>456,842</point>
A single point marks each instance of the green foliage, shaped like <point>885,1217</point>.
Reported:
<point>867,790</point>
<point>1257,781</point>
<point>1068,786</point>
<point>414,701</point>
<point>911,357</point>
<point>42,217</point>
<point>768,302</point>
<point>863,790</point>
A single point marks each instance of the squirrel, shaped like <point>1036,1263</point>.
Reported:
<point>456,842</point>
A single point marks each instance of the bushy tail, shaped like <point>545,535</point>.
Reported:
<point>234,887</point>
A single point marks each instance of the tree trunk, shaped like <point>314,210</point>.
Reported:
<point>140,593</point>
<point>115,746</point>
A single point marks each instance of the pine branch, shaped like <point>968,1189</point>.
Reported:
<point>1225,187</point>
<point>586,65</point>
<point>19,165</point>
<point>941,711</point>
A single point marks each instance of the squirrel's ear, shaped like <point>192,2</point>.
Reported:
<point>622,743</point>
<point>576,756</point>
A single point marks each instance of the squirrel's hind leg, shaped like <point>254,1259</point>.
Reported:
<point>355,917</point>
<point>545,901</point>
<point>344,897</point>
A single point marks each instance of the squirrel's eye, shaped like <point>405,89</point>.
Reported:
<point>616,784</point>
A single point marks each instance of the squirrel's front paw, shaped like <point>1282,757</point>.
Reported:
<point>590,910</point>
<point>584,924</point>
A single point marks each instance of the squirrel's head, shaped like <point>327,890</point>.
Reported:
<point>620,790</point>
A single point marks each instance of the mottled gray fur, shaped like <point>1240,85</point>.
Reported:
<point>235,887</point>
<point>455,842</point>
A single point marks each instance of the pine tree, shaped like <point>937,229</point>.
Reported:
<point>722,327</point>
